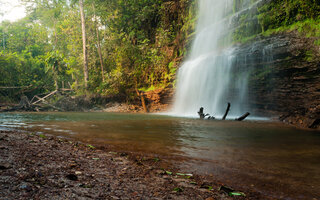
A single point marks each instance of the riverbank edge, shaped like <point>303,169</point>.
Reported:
<point>294,120</point>
<point>161,100</point>
<point>45,167</point>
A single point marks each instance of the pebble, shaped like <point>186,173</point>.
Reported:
<point>4,167</point>
<point>25,187</point>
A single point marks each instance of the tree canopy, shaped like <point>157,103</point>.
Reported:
<point>130,44</point>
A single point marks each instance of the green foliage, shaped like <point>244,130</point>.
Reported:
<point>142,42</point>
<point>21,70</point>
<point>279,16</point>
<point>178,189</point>
<point>279,13</point>
<point>309,56</point>
<point>90,146</point>
<point>168,173</point>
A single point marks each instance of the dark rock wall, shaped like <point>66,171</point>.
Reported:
<point>284,77</point>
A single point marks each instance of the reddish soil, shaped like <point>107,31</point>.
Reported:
<point>46,167</point>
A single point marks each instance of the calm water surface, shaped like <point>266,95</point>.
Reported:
<point>269,157</point>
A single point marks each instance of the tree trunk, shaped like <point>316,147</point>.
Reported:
<point>143,101</point>
<point>55,74</point>
<point>55,34</point>
<point>85,61</point>
<point>98,44</point>
<point>100,55</point>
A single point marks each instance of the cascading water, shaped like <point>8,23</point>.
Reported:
<point>209,78</point>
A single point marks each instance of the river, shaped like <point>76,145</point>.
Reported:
<point>265,156</point>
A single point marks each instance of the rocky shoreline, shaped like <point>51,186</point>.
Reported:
<point>46,167</point>
<point>303,116</point>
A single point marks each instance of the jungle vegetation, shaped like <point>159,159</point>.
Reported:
<point>117,46</point>
<point>129,44</point>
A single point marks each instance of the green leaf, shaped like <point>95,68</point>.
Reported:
<point>169,173</point>
<point>178,189</point>
<point>236,194</point>
<point>184,175</point>
<point>90,146</point>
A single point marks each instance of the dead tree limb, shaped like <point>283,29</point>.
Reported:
<point>143,102</point>
<point>227,111</point>
<point>48,104</point>
<point>201,113</point>
<point>43,98</point>
<point>243,117</point>
<point>15,87</point>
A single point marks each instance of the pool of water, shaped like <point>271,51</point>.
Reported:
<point>268,156</point>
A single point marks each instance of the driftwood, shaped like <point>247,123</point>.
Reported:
<point>43,98</point>
<point>201,113</point>
<point>37,103</point>
<point>227,111</point>
<point>24,105</point>
<point>243,117</point>
<point>45,102</point>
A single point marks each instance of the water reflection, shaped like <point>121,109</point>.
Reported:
<point>250,153</point>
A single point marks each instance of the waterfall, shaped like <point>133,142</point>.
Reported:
<point>209,77</point>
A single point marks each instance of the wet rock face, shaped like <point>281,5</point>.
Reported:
<point>284,77</point>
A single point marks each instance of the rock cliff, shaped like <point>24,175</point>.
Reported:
<point>284,77</point>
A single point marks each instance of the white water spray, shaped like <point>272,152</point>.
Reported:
<point>209,78</point>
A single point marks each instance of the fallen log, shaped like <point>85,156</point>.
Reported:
<point>227,111</point>
<point>46,103</point>
<point>201,113</point>
<point>243,117</point>
<point>43,98</point>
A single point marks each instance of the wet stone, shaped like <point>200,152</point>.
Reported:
<point>4,166</point>
<point>25,186</point>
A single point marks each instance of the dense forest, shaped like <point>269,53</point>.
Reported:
<point>128,45</point>
<point>117,47</point>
